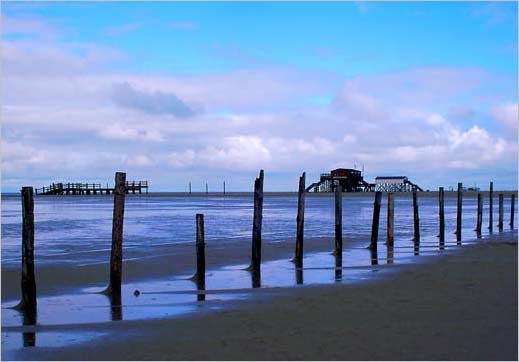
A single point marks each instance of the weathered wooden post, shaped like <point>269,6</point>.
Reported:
<point>459,211</point>
<point>441,201</point>
<point>512,209</point>
<point>300,221</point>
<point>500,220</point>
<point>390,219</point>
<point>416,218</point>
<point>491,207</point>
<point>338,220</point>
<point>116,257</point>
<point>376,217</point>
<point>200,255</point>
<point>256,224</point>
<point>28,301</point>
<point>479,215</point>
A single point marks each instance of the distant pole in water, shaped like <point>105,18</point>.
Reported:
<point>390,219</point>
<point>491,207</point>
<point>116,257</point>
<point>338,220</point>
<point>190,187</point>
<point>441,202</point>
<point>206,188</point>
<point>459,211</point>
<point>375,223</point>
<point>200,255</point>
<point>512,207</point>
<point>256,224</point>
<point>500,220</point>
<point>479,215</point>
<point>224,188</point>
<point>28,301</point>
<point>300,220</point>
<point>416,218</point>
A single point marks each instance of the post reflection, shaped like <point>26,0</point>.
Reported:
<point>116,308</point>
<point>29,319</point>
<point>338,267</point>
<point>374,256</point>
<point>256,278</point>
<point>416,248</point>
<point>390,255</point>
<point>200,287</point>
<point>299,275</point>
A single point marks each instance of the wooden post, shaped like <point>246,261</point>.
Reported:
<point>512,209</point>
<point>338,220</point>
<point>441,201</point>
<point>224,188</point>
<point>206,188</point>
<point>28,302</point>
<point>491,207</point>
<point>190,187</point>
<point>256,224</point>
<point>375,223</point>
<point>116,257</point>
<point>200,255</point>
<point>479,215</point>
<point>390,219</point>
<point>416,218</point>
<point>300,221</point>
<point>500,220</point>
<point>459,211</point>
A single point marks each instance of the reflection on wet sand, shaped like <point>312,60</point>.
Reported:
<point>116,308</point>
<point>390,255</point>
<point>374,256</point>
<point>338,267</point>
<point>200,286</point>
<point>29,319</point>
<point>256,278</point>
<point>442,244</point>
<point>299,275</point>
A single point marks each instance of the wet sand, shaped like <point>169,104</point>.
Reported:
<point>171,259</point>
<point>460,306</point>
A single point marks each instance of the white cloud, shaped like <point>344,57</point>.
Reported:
<point>507,114</point>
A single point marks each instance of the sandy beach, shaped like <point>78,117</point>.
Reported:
<point>458,306</point>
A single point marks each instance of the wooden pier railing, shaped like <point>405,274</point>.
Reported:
<point>132,187</point>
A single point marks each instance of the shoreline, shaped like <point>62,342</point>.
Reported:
<point>460,305</point>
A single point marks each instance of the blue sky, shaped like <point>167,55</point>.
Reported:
<point>175,92</point>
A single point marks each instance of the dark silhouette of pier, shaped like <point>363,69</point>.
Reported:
<point>132,187</point>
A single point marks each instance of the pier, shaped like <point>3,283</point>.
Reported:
<point>132,187</point>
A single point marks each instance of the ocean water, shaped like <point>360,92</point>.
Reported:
<point>77,229</point>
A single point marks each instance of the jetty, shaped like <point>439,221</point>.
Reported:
<point>74,188</point>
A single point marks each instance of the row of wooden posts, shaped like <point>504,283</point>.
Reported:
<point>206,188</point>
<point>28,284</point>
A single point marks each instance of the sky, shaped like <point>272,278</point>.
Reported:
<point>201,92</point>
